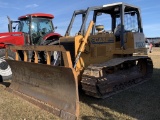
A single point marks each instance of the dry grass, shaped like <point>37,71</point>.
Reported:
<point>141,102</point>
<point>15,108</point>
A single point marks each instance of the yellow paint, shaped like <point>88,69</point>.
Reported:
<point>100,48</point>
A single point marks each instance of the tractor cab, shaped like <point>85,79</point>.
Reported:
<point>36,26</point>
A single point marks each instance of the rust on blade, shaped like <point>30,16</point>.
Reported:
<point>38,48</point>
<point>52,88</point>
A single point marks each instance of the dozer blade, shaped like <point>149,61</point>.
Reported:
<point>52,88</point>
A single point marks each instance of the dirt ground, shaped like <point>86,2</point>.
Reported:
<point>141,102</point>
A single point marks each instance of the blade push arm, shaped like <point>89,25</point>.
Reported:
<point>84,41</point>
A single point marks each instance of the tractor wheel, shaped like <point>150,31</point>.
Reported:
<point>5,70</point>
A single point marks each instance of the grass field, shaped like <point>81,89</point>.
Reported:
<point>141,102</point>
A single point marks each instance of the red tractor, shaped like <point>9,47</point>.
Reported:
<point>30,29</point>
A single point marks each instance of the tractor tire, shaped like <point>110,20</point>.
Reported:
<point>5,70</point>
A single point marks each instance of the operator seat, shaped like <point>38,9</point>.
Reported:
<point>44,31</point>
<point>117,32</point>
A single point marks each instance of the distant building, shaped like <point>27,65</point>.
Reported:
<point>154,40</point>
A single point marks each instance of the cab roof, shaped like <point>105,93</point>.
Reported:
<point>37,15</point>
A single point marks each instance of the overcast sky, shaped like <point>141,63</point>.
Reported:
<point>63,9</point>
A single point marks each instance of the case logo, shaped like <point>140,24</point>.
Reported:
<point>101,40</point>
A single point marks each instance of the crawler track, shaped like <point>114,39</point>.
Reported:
<point>118,74</point>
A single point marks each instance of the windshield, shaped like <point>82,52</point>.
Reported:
<point>39,28</point>
<point>24,26</point>
<point>41,25</point>
<point>130,21</point>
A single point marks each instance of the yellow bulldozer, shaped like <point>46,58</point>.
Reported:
<point>100,62</point>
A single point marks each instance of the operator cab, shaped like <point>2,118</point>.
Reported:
<point>35,25</point>
<point>119,19</point>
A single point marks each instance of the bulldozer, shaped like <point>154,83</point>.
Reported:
<point>98,61</point>
<point>30,29</point>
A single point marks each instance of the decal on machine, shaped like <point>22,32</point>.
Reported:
<point>140,44</point>
<point>101,40</point>
<point>139,40</point>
